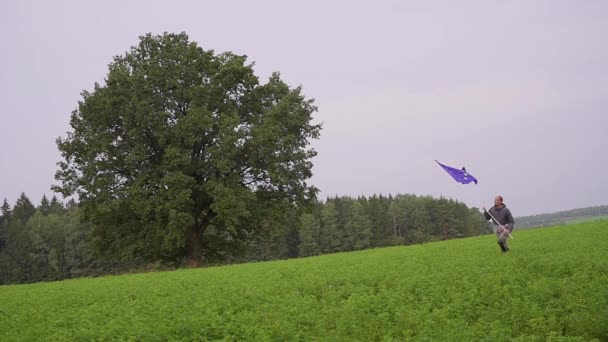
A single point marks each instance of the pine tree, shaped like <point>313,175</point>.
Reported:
<point>331,234</point>
<point>56,207</point>
<point>360,226</point>
<point>23,209</point>
<point>71,205</point>
<point>381,225</point>
<point>45,205</point>
<point>5,210</point>
<point>292,236</point>
<point>16,257</point>
<point>5,214</point>
<point>310,233</point>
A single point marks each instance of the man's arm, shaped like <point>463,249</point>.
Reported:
<point>485,214</point>
<point>510,222</point>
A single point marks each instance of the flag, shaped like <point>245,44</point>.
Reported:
<point>461,176</point>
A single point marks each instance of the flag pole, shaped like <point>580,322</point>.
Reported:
<point>495,220</point>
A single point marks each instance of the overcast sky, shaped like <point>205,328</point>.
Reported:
<point>516,91</point>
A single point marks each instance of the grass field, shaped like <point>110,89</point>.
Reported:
<point>553,285</point>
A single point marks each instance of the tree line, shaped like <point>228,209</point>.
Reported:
<point>52,241</point>
<point>561,217</point>
<point>49,242</point>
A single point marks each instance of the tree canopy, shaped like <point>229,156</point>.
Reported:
<point>182,154</point>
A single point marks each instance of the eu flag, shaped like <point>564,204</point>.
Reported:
<point>461,176</point>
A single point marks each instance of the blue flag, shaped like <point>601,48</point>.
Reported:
<point>461,176</point>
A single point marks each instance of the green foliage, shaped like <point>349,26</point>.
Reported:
<point>551,286</point>
<point>183,154</point>
<point>23,209</point>
<point>45,206</point>
<point>15,263</point>
<point>5,214</point>
<point>51,247</point>
<point>344,224</point>
<point>332,237</point>
<point>5,210</point>
<point>359,228</point>
<point>56,207</point>
<point>310,233</point>
<point>55,243</point>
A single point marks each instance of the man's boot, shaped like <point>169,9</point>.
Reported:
<point>502,246</point>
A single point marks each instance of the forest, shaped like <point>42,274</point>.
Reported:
<point>51,241</point>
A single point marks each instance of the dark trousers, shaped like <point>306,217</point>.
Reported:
<point>502,234</point>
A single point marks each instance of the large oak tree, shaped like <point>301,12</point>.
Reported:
<point>183,155</point>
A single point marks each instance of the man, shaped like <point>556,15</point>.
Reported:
<point>502,218</point>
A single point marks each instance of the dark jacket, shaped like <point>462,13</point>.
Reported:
<point>502,214</point>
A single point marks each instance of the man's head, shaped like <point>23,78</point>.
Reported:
<point>498,201</point>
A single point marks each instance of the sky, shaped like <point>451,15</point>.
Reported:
<point>515,91</point>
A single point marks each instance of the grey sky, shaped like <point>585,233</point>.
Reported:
<point>516,91</point>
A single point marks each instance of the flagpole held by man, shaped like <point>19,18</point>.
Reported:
<point>499,213</point>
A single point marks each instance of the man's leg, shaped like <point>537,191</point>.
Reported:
<point>502,240</point>
<point>504,243</point>
<point>502,246</point>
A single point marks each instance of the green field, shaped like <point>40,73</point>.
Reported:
<point>553,285</point>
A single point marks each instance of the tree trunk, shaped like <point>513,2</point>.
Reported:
<point>193,247</point>
<point>394,225</point>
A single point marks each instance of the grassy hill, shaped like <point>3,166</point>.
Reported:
<point>553,285</point>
